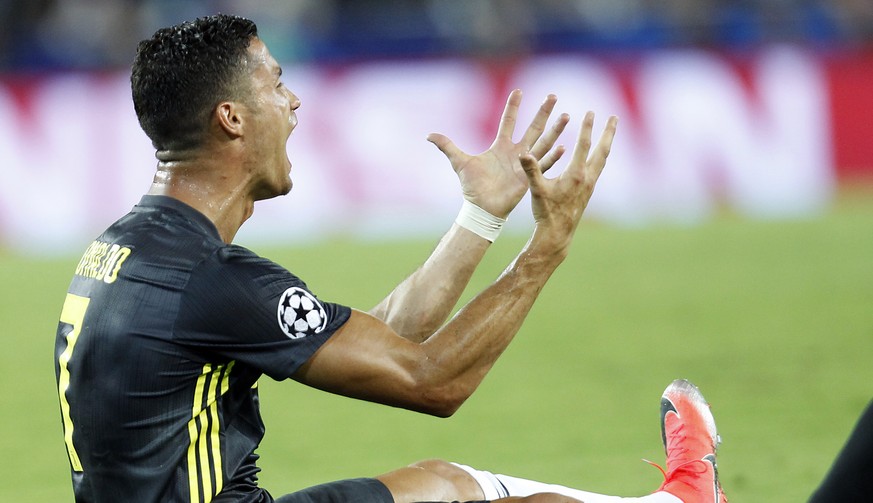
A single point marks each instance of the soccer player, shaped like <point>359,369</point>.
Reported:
<point>167,326</point>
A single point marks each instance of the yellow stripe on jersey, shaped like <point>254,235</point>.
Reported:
<point>216,430</point>
<point>193,433</point>
<point>204,450</point>
<point>203,421</point>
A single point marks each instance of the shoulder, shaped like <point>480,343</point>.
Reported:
<point>234,261</point>
<point>241,280</point>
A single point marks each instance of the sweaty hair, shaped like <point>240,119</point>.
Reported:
<point>182,72</point>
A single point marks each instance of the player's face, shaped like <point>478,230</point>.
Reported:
<point>271,123</point>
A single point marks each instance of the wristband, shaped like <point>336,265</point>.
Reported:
<point>479,221</point>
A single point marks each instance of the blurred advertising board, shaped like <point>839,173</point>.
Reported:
<point>766,135</point>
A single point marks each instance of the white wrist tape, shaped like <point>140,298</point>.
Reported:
<point>479,221</point>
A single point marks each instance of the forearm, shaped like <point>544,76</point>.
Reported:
<point>465,349</point>
<point>420,304</point>
<point>366,359</point>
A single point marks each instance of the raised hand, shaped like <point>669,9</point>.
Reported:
<point>558,203</point>
<point>494,180</point>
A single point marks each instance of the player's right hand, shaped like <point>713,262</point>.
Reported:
<point>494,179</point>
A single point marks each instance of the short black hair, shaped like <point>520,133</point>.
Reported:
<point>182,72</point>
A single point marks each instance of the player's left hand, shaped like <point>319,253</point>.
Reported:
<point>494,180</point>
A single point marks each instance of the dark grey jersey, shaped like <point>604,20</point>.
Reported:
<point>162,338</point>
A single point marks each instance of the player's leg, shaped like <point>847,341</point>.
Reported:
<point>432,480</point>
<point>363,490</point>
<point>436,480</point>
<point>690,441</point>
<point>849,477</point>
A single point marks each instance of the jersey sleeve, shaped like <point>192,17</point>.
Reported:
<point>240,306</point>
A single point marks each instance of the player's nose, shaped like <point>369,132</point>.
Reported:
<point>295,101</point>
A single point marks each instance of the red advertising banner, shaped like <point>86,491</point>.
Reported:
<point>850,93</point>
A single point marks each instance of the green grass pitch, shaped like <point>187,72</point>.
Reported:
<point>773,320</point>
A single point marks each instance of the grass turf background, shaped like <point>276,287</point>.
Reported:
<point>774,321</point>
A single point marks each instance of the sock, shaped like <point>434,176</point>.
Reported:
<point>496,486</point>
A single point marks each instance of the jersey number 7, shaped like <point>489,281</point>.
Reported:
<point>73,313</point>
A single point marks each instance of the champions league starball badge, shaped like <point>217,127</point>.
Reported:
<point>300,314</point>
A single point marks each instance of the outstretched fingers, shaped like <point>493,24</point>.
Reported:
<point>592,165</point>
<point>543,148</point>
<point>558,203</point>
<point>540,145</point>
<point>597,159</point>
<point>510,114</point>
<point>583,142</point>
<point>538,125</point>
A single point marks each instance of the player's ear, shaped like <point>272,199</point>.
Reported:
<point>229,118</point>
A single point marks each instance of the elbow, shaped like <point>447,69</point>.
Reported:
<point>445,410</point>
<point>437,389</point>
<point>442,401</point>
<point>441,410</point>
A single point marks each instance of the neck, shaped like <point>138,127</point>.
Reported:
<point>207,186</point>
